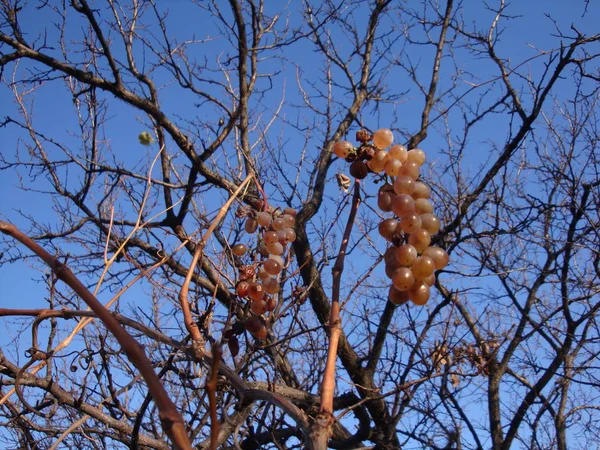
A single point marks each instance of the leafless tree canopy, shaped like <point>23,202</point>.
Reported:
<point>251,95</point>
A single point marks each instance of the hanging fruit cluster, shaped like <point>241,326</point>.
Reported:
<point>259,282</point>
<point>410,261</point>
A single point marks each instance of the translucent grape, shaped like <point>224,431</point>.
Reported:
<point>416,155</point>
<point>398,152</point>
<point>272,267</point>
<point>270,237</point>
<point>388,228</point>
<point>242,288</point>
<point>403,205</point>
<point>410,223</point>
<point>403,278</point>
<point>291,234</point>
<point>392,167</point>
<point>422,267</point>
<point>271,286</point>
<point>383,138</point>
<point>290,212</point>
<point>390,254</point>
<point>262,274</point>
<point>277,258</point>
<point>258,307</point>
<point>420,239</point>
<point>239,249</point>
<point>410,169</point>
<point>275,248</point>
<point>262,249</point>
<point>421,190</point>
<point>278,224</point>
<point>377,162</point>
<point>430,222</point>
<point>397,297</point>
<point>384,201</point>
<point>419,293</point>
<point>405,255</point>
<point>271,303</point>
<point>251,225</point>
<point>255,291</point>
<point>423,206</point>
<point>438,255</point>
<point>288,221</point>
<point>430,280</point>
<point>264,219</point>
<point>404,185</point>
<point>342,149</point>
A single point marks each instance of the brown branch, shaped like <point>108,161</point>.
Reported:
<point>323,425</point>
<point>171,420</point>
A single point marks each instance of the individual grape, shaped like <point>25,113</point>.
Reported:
<point>403,278</point>
<point>272,267</point>
<point>388,228</point>
<point>430,280</point>
<point>430,222</point>
<point>242,288</point>
<point>261,334</point>
<point>264,219</point>
<point>342,149</point>
<point>390,269</point>
<point>275,248</point>
<point>398,152</point>
<point>277,258</point>
<point>262,274</point>
<point>423,206</point>
<point>405,255</point>
<point>271,286</point>
<point>270,237</point>
<point>410,169</point>
<point>387,187</point>
<point>239,249</point>
<point>251,225</point>
<point>262,249</point>
<point>389,254</point>
<point>278,224</point>
<point>288,221</point>
<point>291,234</point>
<point>421,190</point>
<point>419,293</point>
<point>377,162</point>
<point>271,303</point>
<point>403,205</point>
<point>392,167</point>
<point>383,138</point>
<point>422,267</point>
<point>359,170</point>
<point>410,223</point>
<point>290,212</point>
<point>384,201</point>
<point>397,297</point>
<point>404,185</point>
<point>258,307</point>
<point>253,324</point>
<point>416,155</point>
<point>438,255</point>
<point>255,291</point>
<point>420,239</point>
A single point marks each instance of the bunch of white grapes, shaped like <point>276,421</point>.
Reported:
<point>410,261</point>
<point>258,282</point>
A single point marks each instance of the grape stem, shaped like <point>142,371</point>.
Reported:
<point>322,427</point>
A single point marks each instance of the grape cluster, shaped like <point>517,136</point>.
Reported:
<point>258,282</point>
<point>410,261</point>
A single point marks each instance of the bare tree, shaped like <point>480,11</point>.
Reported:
<point>237,106</point>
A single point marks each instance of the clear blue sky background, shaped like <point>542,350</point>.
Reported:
<point>20,286</point>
